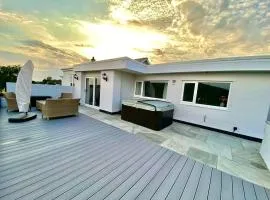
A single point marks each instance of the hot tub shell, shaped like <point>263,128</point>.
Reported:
<point>153,114</point>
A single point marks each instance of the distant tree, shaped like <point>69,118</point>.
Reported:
<point>8,74</point>
<point>50,81</point>
<point>93,59</point>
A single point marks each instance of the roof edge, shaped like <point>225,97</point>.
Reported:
<point>237,58</point>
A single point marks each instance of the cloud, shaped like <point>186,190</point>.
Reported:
<point>167,30</point>
<point>28,36</point>
<point>83,45</point>
<point>28,25</point>
<point>200,29</point>
<point>41,50</point>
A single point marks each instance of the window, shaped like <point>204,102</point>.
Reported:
<point>138,88</point>
<point>206,93</point>
<point>151,89</point>
<point>188,92</point>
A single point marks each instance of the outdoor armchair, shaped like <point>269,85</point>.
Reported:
<point>11,101</point>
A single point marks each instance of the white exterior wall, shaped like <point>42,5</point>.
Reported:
<point>248,102</point>
<point>247,105</point>
<point>265,148</point>
<point>127,85</point>
<point>119,86</point>
<point>77,88</point>
<point>107,92</point>
<point>67,79</point>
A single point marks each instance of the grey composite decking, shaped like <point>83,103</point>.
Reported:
<point>82,158</point>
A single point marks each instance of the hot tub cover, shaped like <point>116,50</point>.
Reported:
<point>151,105</point>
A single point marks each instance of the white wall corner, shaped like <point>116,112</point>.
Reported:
<point>265,148</point>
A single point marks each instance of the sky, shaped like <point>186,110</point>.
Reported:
<point>57,34</point>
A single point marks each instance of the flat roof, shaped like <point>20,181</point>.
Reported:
<point>231,64</point>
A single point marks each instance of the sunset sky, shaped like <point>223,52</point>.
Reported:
<point>59,33</point>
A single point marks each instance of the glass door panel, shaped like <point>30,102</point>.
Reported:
<point>97,91</point>
<point>89,91</point>
<point>92,91</point>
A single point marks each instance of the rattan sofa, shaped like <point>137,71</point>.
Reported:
<point>65,95</point>
<point>11,101</point>
<point>52,108</point>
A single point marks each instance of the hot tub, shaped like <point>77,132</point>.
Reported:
<point>153,114</point>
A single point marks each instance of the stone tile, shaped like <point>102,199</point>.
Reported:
<point>251,146</point>
<point>180,131</point>
<point>248,158</point>
<point>152,137</point>
<point>118,123</point>
<point>246,172</point>
<point>218,139</point>
<point>203,156</point>
<point>194,129</point>
<point>180,125</point>
<point>220,150</point>
<point>174,145</point>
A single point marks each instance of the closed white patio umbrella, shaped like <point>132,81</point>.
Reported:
<point>23,92</point>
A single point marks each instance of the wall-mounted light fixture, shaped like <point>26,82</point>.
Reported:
<point>75,76</point>
<point>105,77</point>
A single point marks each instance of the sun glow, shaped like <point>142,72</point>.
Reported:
<point>114,40</point>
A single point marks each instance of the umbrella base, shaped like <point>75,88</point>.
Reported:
<point>22,118</point>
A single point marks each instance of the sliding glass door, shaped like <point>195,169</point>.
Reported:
<point>92,91</point>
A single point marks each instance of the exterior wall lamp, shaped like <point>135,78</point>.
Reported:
<point>105,77</point>
<point>75,76</point>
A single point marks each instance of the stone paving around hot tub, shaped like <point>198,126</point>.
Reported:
<point>230,154</point>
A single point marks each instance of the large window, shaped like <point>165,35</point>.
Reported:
<point>206,93</point>
<point>151,89</point>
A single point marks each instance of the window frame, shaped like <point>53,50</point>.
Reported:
<point>142,89</point>
<point>135,95</point>
<point>193,103</point>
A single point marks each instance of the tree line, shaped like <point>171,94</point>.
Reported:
<point>9,73</point>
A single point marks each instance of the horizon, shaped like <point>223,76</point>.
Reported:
<point>59,34</point>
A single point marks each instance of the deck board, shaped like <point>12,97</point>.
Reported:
<point>215,185</point>
<point>227,187</point>
<point>165,187</point>
<point>238,190</point>
<point>192,184</point>
<point>249,191</point>
<point>203,186</point>
<point>157,180</point>
<point>268,193</point>
<point>180,183</point>
<point>83,158</point>
<point>260,193</point>
<point>48,176</point>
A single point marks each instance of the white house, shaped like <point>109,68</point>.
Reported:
<point>231,95</point>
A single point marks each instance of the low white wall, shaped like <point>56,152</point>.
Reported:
<point>247,107</point>
<point>43,90</point>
